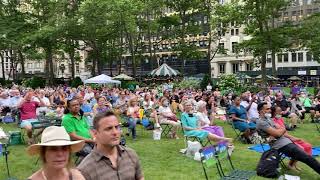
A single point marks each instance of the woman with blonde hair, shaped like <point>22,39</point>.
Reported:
<point>55,153</point>
<point>133,115</point>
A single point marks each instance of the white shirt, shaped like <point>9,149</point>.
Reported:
<point>163,109</point>
<point>5,102</point>
<point>253,111</point>
<point>147,106</point>
<point>209,87</point>
<point>203,118</point>
<point>88,96</point>
<point>46,103</point>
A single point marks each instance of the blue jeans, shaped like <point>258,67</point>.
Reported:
<point>132,127</point>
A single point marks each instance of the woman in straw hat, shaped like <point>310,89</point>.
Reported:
<point>54,151</point>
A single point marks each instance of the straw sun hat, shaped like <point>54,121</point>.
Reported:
<point>55,136</point>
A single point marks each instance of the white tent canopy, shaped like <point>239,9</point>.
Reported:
<point>123,77</point>
<point>101,79</point>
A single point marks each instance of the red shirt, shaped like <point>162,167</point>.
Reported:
<point>279,121</point>
<point>28,110</point>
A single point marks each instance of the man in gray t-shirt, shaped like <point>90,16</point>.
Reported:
<point>281,140</point>
<point>263,124</point>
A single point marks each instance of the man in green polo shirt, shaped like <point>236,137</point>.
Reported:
<point>75,123</point>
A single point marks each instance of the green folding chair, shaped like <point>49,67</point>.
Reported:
<point>216,155</point>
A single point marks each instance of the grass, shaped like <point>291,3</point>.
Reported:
<point>161,160</point>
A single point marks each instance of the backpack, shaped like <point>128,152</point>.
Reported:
<point>269,164</point>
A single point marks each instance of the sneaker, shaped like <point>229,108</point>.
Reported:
<point>230,149</point>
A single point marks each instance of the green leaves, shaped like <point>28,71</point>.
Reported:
<point>309,35</point>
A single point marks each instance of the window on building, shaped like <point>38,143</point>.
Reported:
<point>294,57</point>
<point>315,10</point>
<point>235,68</point>
<point>300,57</point>
<point>285,57</point>
<point>221,46</point>
<point>249,66</point>
<point>222,68</point>
<point>234,47</point>
<point>77,68</point>
<point>29,65</point>
<point>279,58</point>
<point>309,56</point>
<point>232,32</point>
<point>7,59</point>
<point>237,31</point>
<point>269,58</point>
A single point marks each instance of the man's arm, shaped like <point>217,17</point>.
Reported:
<point>275,132</point>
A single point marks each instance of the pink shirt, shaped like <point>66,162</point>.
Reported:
<point>28,110</point>
<point>279,121</point>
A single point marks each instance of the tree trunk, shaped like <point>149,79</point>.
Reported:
<point>12,60</point>
<point>22,60</point>
<point>2,65</point>
<point>94,64</point>
<point>99,61</point>
<point>149,41</point>
<point>71,55</point>
<point>263,69</point>
<point>273,53</point>
<point>134,70</point>
<point>49,59</point>
<point>273,59</point>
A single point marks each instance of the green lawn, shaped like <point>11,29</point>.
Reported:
<point>162,160</point>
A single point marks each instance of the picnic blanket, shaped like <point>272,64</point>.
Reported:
<point>261,148</point>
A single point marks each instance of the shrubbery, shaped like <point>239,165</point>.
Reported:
<point>34,82</point>
<point>187,84</point>
<point>76,82</point>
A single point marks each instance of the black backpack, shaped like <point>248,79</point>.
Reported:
<point>269,164</point>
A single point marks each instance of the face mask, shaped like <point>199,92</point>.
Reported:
<point>166,103</point>
<point>278,116</point>
<point>267,115</point>
<point>229,97</point>
<point>303,95</point>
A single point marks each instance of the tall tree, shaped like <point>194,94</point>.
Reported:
<point>257,17</point>
<point>180,25</point>
<point>309,35</point>
<point>46,15</point>
<point>219,18</point>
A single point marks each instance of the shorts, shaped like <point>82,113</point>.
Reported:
<point>27,122</point>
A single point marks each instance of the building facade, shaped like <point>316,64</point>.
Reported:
<point>293,62</point>
<point>62,67</point>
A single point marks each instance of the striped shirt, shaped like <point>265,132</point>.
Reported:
<point>96,166</point>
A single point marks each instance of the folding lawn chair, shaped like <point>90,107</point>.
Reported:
<point>215,155</point>
<point>166,129</point>
<point>203,143</point>
<point>237,132</point>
